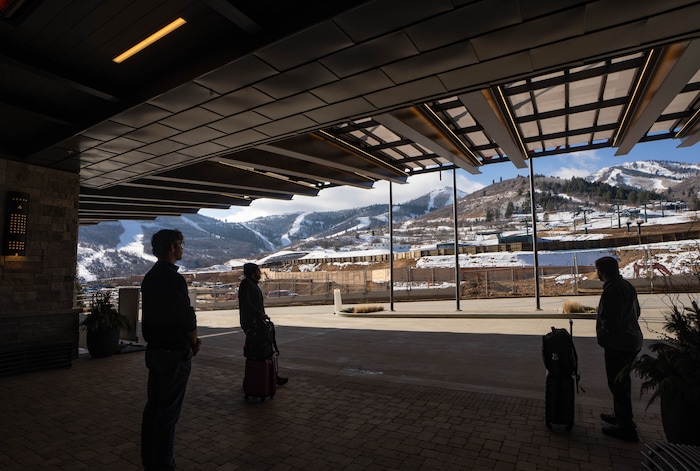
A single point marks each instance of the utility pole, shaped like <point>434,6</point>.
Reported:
<point>458,294</point>
<point>533,209</point>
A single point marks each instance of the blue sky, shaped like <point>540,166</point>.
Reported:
<point>578,164</point>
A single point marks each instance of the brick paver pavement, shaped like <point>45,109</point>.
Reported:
<point>341,415</point>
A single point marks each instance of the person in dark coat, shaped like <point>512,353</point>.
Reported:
<point>251,303</point>
<point>618,332</point>
<point>169,325</point>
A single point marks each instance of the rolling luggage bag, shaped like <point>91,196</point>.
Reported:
<point>260,378</point>
<point>559,401</point>
<point>561,361</point>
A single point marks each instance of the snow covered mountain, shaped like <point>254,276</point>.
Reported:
<point>650,175</point>
<point>122,248</point>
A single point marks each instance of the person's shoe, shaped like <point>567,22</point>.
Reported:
<point>282,381</point>
<point>608,418</point>
<point>622,433</point>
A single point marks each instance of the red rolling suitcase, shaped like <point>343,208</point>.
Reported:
<point>260,378</point>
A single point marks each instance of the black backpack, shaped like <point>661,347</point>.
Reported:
<point>260,342</point>
<point>559,354</point>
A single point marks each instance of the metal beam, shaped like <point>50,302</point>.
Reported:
<point>194,187</point>
<point>677,64</point>
<point>346,157</point>
<point>277,162</point>
<point>216,175</point>
<point>410,132</point>
<point>131,193</point>
<point>690,133</point>
<point>483,107</point>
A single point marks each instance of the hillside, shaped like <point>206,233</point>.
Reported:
<point>121,248</point>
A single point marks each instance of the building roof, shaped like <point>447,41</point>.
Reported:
<point>271,99</point>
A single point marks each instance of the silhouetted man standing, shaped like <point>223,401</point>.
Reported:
<point>169,326</point>
<point>618,332</point>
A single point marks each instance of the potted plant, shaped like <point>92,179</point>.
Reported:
<point>673,373</point>
<point>103,324</point>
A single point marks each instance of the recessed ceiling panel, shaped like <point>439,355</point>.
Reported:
<point>235,102</point>
<point>550,30</point>
<point>173,158</point>
<point>107,130</point>
<point>93,155</point>
<point>119,145</point>
<point>289,106</point>
<point>425,88</point>
<point>460,24</point>
<point>202,150</point>
<point>197,136</point>
<point>183,97</point>
<point>238,122</point>
<point>190,119</point>
<point>296,80</point>
<point>430,63</point>
<point>381,17</point>
<point>140,115</point>
<point>78,143</point>
<point>341,111</point>
<point>354,86</point>
<point>305,46</point>
<point>132,157</point>
<point>374,53</point>
<point>237,74</point>
<point>162,147</point>
<point>292,124</point>
<point>237,139</point>
<point>151,133</point>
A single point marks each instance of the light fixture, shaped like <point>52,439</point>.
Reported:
<point>149,40</point>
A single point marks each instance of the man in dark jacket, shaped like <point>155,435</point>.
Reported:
<point>251,304</point>
<point>618,332</point>
<point>169,326</point>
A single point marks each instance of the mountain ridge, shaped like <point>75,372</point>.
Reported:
<point>115,249</point>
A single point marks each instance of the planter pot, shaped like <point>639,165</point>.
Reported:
<point>680,419</point>
<point>102,343</point>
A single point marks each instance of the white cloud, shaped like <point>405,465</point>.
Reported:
<point>570,172</point>
<point>333,199</point>
<point>576,164</point>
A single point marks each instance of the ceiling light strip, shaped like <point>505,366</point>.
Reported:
<point>359,151</point>
<point>149,40</point>
<point>689,125</point>
<point>432,116</point>
<point>511,122</point>
<point>278,176</point>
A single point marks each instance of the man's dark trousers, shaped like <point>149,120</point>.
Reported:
<point>168,372</point>
<point>621,390</point>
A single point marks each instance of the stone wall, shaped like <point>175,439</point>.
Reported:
<point>37,291</point>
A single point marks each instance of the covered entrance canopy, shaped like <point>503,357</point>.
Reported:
<point>271,99</point>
